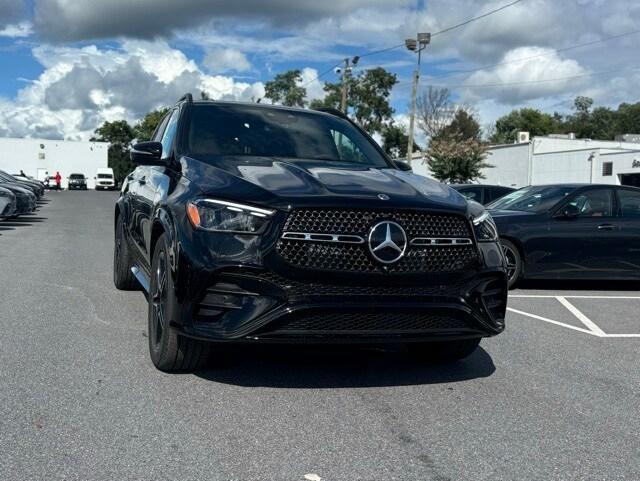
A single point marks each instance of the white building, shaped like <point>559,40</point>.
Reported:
<point>563,159</point>
<point>36,157</point>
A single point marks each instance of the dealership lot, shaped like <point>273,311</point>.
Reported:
<point>554,397</point>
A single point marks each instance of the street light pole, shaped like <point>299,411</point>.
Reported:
<point>415,45</point>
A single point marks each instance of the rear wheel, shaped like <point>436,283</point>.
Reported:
<point>169,351</point>
<point>123,278</point>
<point>444,351</point>
<point>514,262</point>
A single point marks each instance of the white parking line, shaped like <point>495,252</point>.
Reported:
<point>551,321</point>
<point>581,317</point>
<point>541,296</point>
<point>593,328</point>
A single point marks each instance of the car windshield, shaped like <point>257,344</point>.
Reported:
<point>234,130</point>
<point>105,176</point>
<point>76,176</point>
<point>532,199</point>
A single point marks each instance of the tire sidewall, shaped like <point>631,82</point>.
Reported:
<point>517,276</point>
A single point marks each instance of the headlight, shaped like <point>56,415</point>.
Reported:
<point>485,228</point>
<point>222,216</point>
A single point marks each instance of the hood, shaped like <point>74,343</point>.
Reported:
<point>292,182</point>
<point>17,189</point>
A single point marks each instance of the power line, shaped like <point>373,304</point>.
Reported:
<point>467,22</point>
<point>376,52</point>
<point>526,82</point>
<point>455,73</point>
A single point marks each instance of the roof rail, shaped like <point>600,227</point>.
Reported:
<point>332,111</point>
<point>186,97</point>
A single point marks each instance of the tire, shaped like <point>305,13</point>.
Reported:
<point>514,262</point>
<point>444,351</point>
<point>170,352</point>
<point>123,278</point>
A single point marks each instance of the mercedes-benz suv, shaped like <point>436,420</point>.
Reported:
<point>254,223</point>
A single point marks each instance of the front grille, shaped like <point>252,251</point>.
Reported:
<point>351,257</point>
<point>358,321</point>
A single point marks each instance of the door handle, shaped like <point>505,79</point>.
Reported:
<point>142,180</point>
<point>130,177</point>
<point>606,227</point>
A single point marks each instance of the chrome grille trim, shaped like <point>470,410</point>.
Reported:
<point>441,241</point>
<point>316,237</point>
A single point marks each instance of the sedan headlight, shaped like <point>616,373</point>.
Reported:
<point>223,216</point>
<point>485,228</point>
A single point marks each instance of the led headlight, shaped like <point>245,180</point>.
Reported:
<point>223,216</point>
<point>485,228</point>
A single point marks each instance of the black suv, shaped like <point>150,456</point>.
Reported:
<point>256,223</point>
<point>77,181</point>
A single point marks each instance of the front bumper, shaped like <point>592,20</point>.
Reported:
<point>252,305</point>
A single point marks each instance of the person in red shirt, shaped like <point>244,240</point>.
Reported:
<point>58,180</point>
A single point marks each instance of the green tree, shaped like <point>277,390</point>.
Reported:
<point>526,119</point>
<point>119,134</point>
<point>285,89</point>
<point>464,126</point>
<point>395,141</point>
<point>144,129</point>
<point>628,119</point>
<point>367,99</point>
<point>457,162</point>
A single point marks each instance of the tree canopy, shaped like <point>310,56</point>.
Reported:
<point>285,89</point>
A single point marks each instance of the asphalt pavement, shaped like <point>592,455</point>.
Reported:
<point>556,397</point>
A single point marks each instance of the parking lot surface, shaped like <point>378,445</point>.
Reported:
<point>553,398</point>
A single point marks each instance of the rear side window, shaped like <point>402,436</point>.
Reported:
<point>629,203</point>
<point>473,193</point>
<point>594,203</point>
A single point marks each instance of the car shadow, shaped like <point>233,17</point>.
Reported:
<point>579,285</point>
<point>13,223</point>
<point>305,367</point>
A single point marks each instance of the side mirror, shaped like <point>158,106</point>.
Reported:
<point>570,212</point>
<point>147,153</point>
<point>404,166</point>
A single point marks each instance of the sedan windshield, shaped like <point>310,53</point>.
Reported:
<point>532,199</point>
<point>76,176</point>
<point>237,130</point>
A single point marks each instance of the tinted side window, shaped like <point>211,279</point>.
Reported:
<point>497,192</point>
<point>169,134</point>
<point>157,135</point>
<point>629,203</point>
<point>473,193</point>
<point>594,203</point>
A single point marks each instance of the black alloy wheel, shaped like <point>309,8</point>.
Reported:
<point>514,262</point>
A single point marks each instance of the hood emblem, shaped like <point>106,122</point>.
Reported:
<point>383,197</point>
<point>387,242</point>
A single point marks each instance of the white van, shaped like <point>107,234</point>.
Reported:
<point>104,179</point>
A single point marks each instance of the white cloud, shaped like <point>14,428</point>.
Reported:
<point>518,81</point>
<point>17,30</point>
<point>220,60</point>
<point>314,86</point>
<point>82,87</point>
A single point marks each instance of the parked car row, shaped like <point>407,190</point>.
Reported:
<point>18,195</point>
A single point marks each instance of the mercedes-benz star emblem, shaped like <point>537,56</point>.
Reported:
<point>383,197</point>
<point>387,242</point>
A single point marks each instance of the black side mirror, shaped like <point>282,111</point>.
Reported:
<point>147,153</point>
<point>404,166</point>
<point>570,212</point>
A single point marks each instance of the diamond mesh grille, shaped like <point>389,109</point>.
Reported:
<point>356,258</point>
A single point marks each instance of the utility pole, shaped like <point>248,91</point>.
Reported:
<point>415,45</point>
<point>349,63</point>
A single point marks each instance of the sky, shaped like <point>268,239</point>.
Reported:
<point>66,66</point>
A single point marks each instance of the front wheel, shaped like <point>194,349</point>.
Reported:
<point>169,351</point>
<point>123,278</point>
<point>514,262</point>
<point>444,351</point>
